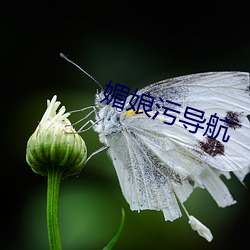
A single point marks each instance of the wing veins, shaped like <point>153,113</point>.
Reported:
<point>144,184</point>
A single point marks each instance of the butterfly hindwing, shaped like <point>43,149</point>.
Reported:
<point>142,184</point>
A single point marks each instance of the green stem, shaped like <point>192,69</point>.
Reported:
<point>54,177</point>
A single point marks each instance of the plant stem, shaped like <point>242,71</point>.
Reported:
<point>54,177</point>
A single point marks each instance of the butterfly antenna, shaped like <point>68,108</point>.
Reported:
<point>68,60</point>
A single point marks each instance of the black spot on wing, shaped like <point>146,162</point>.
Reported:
<point>190,181</point>
<point>235,118</point>
<point>212,147</point>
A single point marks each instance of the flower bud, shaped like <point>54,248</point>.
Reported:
<point>55,144</point>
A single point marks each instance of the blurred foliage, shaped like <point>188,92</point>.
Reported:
<point>133,47</point>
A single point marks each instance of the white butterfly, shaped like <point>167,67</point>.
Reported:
<point>159,165</point>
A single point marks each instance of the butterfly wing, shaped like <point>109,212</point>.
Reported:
<point>152,169</point>
<point>212,84</point>
<point>141,183</point>
<point>226,94</point>
<point>156,162</point>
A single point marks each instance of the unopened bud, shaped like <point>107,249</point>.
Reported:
<point>55,143</point>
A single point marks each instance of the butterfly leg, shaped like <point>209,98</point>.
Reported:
<point>86,116</point>
<point>91,155</point>
<point>81,129</point>
<point>96,152</point>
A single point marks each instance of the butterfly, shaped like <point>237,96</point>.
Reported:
<point>159,165</point>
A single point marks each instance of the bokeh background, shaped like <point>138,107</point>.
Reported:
<point>131,43</point>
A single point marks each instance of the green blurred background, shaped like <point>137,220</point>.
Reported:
<point>133,44</point>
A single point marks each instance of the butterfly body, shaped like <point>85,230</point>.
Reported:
<point>109,122</point>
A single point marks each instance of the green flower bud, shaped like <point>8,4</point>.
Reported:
<point>55,144</point>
